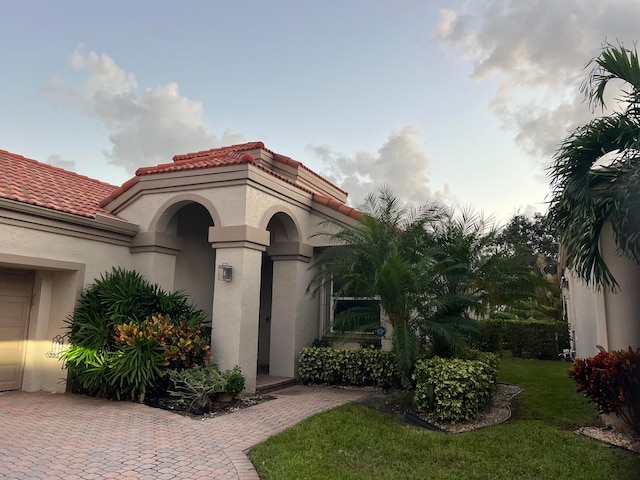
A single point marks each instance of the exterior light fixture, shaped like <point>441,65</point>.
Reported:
<point>225,272</point>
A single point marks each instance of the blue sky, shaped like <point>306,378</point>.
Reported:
<point>461,100</point>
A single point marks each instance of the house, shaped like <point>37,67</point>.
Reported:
<point>243,209</point>
<point>610,319</point>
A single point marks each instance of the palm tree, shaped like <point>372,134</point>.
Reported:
<point>371,261</point>
<point>428,268</point>
<point>595,176</point>
<point>469,276</point>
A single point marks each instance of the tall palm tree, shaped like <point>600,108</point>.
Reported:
<point>428,268</point>
<point>595,176</point>
<point>469,276</point>
<point>372,261</point>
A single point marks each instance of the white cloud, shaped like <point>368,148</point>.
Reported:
<point>145,126</point>
<point>537,51</point>
<point>400,163</point>
<point>58,161</point>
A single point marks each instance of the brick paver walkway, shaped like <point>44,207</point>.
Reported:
<point>47,436</point>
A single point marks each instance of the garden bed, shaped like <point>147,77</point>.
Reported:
<point>176,405</point>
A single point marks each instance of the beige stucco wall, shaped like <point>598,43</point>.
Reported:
<point>622,308</point>
<point>63,263</point>
<point>604,317</point>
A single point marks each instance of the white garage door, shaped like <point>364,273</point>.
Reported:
<point>16,289</point>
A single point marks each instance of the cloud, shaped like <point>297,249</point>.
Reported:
<point>537,51</point>
<point>145,126</point>
<point>400,163</point>
<point>58,161</point>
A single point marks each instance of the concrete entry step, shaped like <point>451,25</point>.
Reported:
<point>268,383</point>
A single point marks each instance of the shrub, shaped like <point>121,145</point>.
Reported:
<point>234,381</point>
<point>543,339</point>
<point>184,343</point>
<point>196,386</point>
<point>454,390</point>
<point>126,332</point>
<point>612,381</point>
<point>358,367</point>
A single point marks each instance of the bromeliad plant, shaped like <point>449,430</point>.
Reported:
<point>125,334</point>
<point>612,381</point>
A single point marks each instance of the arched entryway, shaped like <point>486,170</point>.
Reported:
<point>284,324</point>
<point>195,260</point>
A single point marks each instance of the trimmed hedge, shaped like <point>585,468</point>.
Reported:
<point>357,367</point>
<point>531,337</point>
<point>455,389</point>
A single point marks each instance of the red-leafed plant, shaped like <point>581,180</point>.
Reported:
<point>612,381</point>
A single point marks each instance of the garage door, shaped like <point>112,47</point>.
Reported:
<point>16,288</point>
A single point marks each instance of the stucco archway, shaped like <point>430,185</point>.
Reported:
<point>194,271</point>
<point>283,290</point>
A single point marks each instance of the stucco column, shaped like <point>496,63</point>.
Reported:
<point>236,304</point>
<point>154,256</point>
<point>623,306</point>
<point>294,314</point>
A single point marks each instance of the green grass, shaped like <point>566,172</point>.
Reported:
<point>354,442</point>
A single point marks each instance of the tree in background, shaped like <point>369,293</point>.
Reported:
<point>595,175</point>
<point>530,238</point>
<point>531,241</point>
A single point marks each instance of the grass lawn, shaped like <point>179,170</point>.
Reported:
<point>355,442</point>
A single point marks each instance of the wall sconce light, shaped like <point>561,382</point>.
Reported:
<point>225,272</point>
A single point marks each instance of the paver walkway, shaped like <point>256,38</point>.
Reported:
<point>74,437</point>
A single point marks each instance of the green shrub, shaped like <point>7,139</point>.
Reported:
<point>122,296</point>
<point>454,390</point>
<point>543,339</point>
<point>612,381</point>
<point>234,381</point>
<point>126,332</point>
<point>358,367</point>
<point>197,386</point>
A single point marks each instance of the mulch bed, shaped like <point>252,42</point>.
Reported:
<point>175,405</point>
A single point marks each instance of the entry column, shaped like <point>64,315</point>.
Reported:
<point>294,316</point>
<point>236,300</point>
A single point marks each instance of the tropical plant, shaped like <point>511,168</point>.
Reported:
<point>467,277</point>
<point>375,260</point>
<point>196,386</point>
<point>121,343</point>
<point>612,381</point>
<point>429,268</point>
<point>595,175</point>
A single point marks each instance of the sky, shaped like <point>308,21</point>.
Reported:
<point>461,101</point>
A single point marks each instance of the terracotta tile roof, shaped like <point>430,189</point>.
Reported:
<point>28,181</point>
<point>235,155</point>
<point>340,207</point>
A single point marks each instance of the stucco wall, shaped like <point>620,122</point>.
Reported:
<point>604,317</point>
<point>64,265</point>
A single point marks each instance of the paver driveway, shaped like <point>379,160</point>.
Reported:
<point>73,437</point>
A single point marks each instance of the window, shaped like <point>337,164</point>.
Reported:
<point>353,314</point>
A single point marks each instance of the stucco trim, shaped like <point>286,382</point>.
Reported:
<point>239,236</point>
<point>168,209</point>
<point>45,220</point>
<point>156,242</point>
<point>36,263</point>
<point>291,251</point>
<point>179,181</point>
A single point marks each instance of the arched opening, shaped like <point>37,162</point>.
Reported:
<point>195,262</point>
<point>282,230</point>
